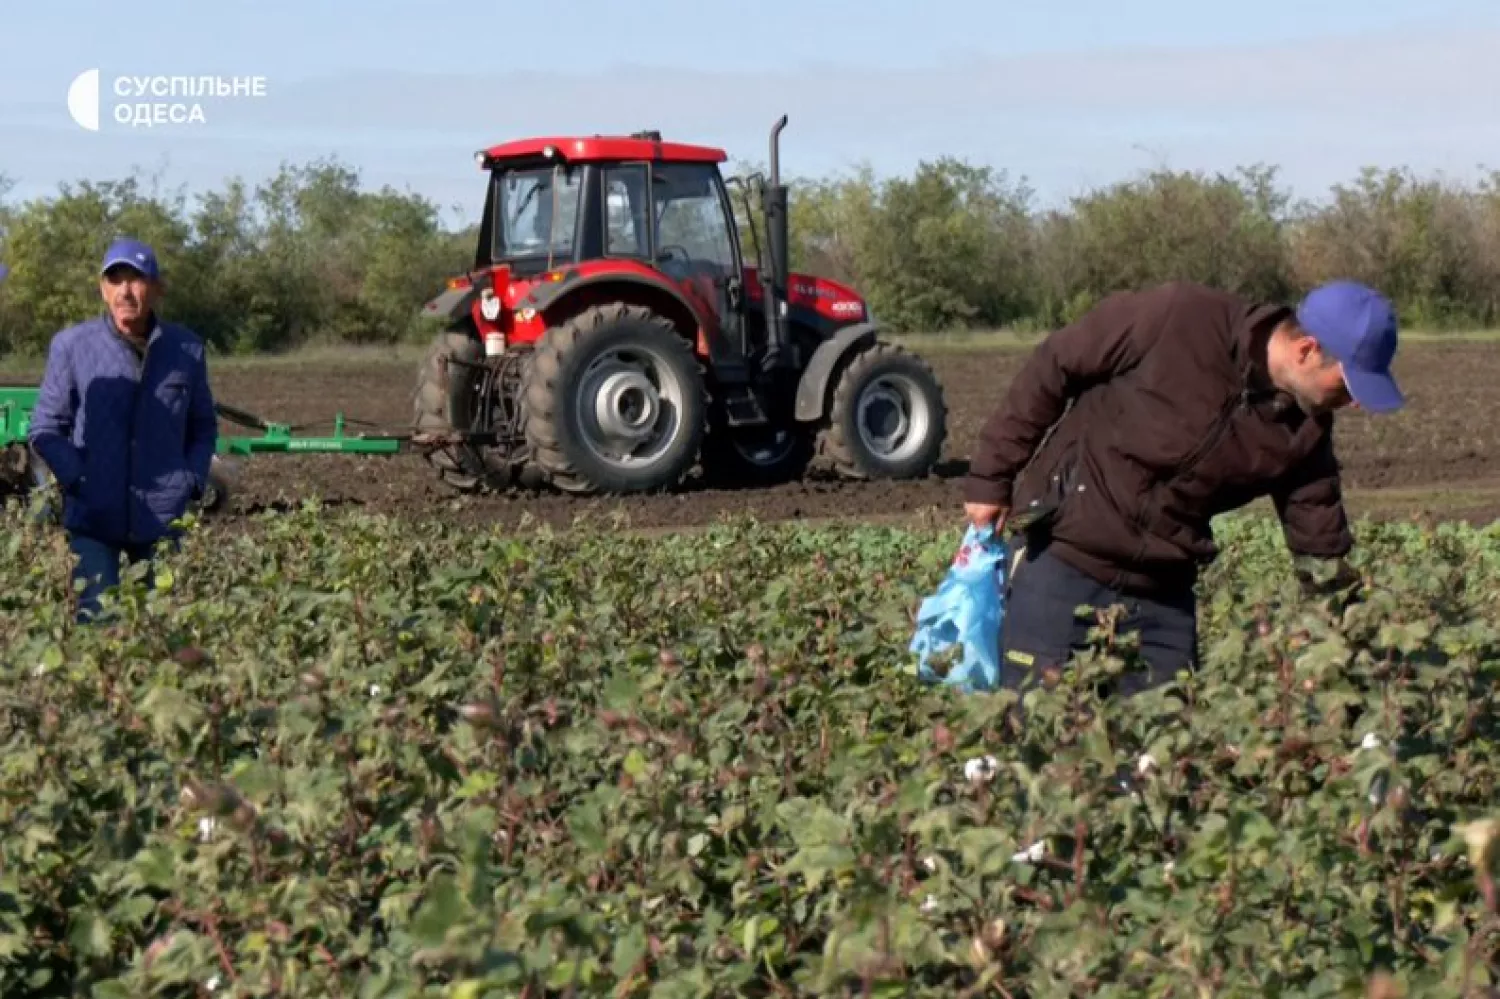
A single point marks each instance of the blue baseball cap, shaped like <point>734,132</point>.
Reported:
<point>1356,325</point>
<point>132,253</point>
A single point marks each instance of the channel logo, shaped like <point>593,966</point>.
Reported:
<point>83,99</point>
<point>139,100</point>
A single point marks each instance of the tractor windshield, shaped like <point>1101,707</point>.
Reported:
<point>538,210</point>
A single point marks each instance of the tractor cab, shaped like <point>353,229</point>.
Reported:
<point>570,201</point>
<point>634,207</point>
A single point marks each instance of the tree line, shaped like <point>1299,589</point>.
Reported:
<point>310,256</point>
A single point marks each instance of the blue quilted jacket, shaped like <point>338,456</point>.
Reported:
<point>129,437</point>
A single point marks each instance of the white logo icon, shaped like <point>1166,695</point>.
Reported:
<point>83,99</point>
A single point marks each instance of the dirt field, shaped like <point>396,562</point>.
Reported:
<point>1440,457</point>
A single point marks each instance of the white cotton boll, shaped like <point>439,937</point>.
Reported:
<point>1032,853</point>
<point>206,828</point>
<point>1370,741</point>
<point>1145,764</point>
<point>981,769</point>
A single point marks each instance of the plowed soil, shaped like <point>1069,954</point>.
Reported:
<point>1441,456</point>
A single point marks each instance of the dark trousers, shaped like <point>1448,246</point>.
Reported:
<point>1041,627</point>
<point>98,568</point>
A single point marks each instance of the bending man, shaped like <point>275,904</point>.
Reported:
<point>1167,407</point>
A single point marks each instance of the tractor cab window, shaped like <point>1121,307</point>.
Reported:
<point>692,221</point>
<point>625,218</point>
<point>539,212</point>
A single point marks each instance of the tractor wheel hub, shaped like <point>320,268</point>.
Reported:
<point>629,406</point>
<point>626,406</point>
<point>892,417</point>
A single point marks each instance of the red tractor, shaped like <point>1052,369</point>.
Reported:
<point>611,337</point>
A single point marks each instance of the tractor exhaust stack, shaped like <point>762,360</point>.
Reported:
<point>775,283</point>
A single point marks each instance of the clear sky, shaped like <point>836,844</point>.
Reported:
<point>1068,94</point>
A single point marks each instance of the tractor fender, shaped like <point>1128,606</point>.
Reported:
<point>724,358</point>
<point>453,303</point>
<point>545,296</point>
<point>812,389</point>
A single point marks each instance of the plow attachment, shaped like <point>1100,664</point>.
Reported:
<point>280,438</point>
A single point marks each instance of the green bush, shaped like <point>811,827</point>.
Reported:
<point>334,756</point>
<point>308,256</point>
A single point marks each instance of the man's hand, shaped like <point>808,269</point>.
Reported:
<point>987,515</point>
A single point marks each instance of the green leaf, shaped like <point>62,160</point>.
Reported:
<point>442,910</point>
<point>171,710</point>
<point>89,932</point>
<point>635,763</point>
<point>629,949</point>
<point>812,823</point>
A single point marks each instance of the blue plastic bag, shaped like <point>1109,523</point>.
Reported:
<point>958,627</point>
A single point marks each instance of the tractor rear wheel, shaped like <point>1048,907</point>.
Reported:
<point>888,417</point>
<point>614,402</point>
<point>447,386</point>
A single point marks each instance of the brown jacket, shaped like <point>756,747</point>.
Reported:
<point>1173,421</point>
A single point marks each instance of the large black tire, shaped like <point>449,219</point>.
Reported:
<point>755,456</point>
<point>444,403</point>
<point>897,398</point>
<point>564,391</point>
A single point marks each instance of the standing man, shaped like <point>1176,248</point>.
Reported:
<point>125,421</point>
<point>1165,408</point>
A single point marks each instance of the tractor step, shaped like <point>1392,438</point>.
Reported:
<point>742,408</point>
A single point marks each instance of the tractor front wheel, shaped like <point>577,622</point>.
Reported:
<point>614,402</point>
<point>888,417</point>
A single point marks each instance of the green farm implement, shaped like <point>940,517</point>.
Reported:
<point>21,471</point>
